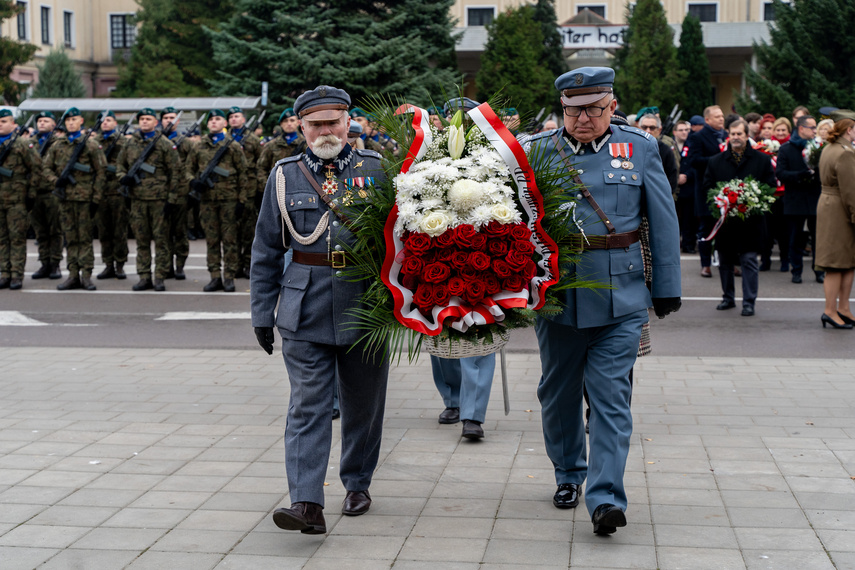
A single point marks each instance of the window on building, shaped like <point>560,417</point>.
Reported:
<point>704,12</point>
<point>598,9</point>
<point>479,16</point>
<point>122,31</point>
<point>46,25</point>
<point>769,11</point>
<point>22,21</point>
<point>68,29</point>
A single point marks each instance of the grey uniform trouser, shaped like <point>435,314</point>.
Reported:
<point>308,433</point>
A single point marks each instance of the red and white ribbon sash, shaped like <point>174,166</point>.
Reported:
<point>621,150</point>
<point>423,137</point>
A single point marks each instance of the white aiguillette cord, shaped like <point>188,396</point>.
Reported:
<point>286,219</point>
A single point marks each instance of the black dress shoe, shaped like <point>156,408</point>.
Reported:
<point>472,430</point>
<point>567,496</point>
<point>229,285</point>
<point>449,416</point>
<point>158,285</point>
<point>215,284</point>
<point>143,284</point>
<point>607,518</point>
<point>16,283</point>
<point>725,305</point>
<point>356,503</point>
<point>826,320</point>
<point>42,272</point>
<point>797,278</point>
<point>747,311</point>
<point>308,518</point>
<point>846,319</point>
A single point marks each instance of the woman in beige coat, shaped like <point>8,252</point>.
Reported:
<point>835,220</point>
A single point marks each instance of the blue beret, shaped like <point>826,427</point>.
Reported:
<point>168,110</point>
<point>355,128</point>
<point>357,112</point>
<point>461,103</point>
<point>233,111</point>
<point>5,113</point>
<point>585,85</point>
<point>72,112</point>
<point>289,112</point>
<point>216,113</point>
<point>321,98</point>
<point>696,120</point>
<point>647,111</point>
<point>146,111</point>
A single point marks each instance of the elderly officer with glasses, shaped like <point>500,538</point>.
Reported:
<point>593,343</point>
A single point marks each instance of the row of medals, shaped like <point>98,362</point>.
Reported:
<point>626,165</point>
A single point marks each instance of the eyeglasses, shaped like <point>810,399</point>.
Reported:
<point>649,128</point>
<point>808,128</point>
<point>591,111</point>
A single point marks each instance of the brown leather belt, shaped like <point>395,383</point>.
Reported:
<point>610,241</point>
<point>308,258</point>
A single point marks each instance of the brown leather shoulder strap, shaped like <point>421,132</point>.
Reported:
<point>323,194</point>
<point>582,188</point>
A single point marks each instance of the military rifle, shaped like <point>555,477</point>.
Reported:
<point>111,168</point>
<point>671,120</point>
<point>140,164</point>
<point>67,175</point>
<point>194,129</point>
<point>213,168</point>
<point>57,127</point>
<point>4,154</point>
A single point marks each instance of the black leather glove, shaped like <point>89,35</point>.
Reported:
<point>239,209</point>
<point>93,209</point>
<point>265,338</point>
<point>169,209</point>
<point>128,181</point>
<point>666,305</point>
<point>259,197</point>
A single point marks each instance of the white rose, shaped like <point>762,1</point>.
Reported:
<point>465,195</point>
<point>502,214</point>
<point>435,222</point>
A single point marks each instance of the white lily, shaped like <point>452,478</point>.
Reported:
<point>456,141</point>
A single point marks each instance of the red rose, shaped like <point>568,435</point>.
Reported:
<point>478,242</point>
<point>502,269</point>
<point>440,295</point>
<point>410,282</point>
<point>497,247</point>
<point>732,198</point>
<point>479,260</point>
<point>516,260</point>
<point>456,286</point>
<point>468,274</point>
<point>436,272</point>
<point>463,235</point>
<point>444,240</point>
<point>495,229</point>
<point>530,270</point>
<point>520,231</point>
<point>412,265</point>
<point>424,297</point>
<point>475,291</point>
<point>418,243</point>
<point>444,255</point>
<point>515,283</point>
<point>742,208</point>
<point>524,247</point>
<point>459,259</point>
<point>492,283</point>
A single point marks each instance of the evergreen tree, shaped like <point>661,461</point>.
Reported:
<point>553,44</point>
<point>513,62</point>
<point>170,37</point>
<point>368,48</point>
<point>692,58</point>
<point>12,53</point>
<point>646,66</point>
<point>809,61</point>
<point>58,79</point>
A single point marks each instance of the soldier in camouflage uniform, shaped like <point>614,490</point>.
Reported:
<point>251,146</point>
<point>223,204</point>
<point>179,244</point>
<point>154,197</point>
<point>288,143</point>
<point>80,204</point>
<point>113,211</point>
<point>45,213</point>
<point>20,175</point>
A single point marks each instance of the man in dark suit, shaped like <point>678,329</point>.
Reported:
<point>703,145</point>
<point>800,199</point>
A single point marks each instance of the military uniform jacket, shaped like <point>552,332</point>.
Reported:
<point>111,181</point>
<point>251,146</point>
<point>26,165</point>
<point>624,196</point>
<point>163,183</point>
<point>306,303</point>
<point>231,187</point>
<point>274,151</point>
<point>90,185</point>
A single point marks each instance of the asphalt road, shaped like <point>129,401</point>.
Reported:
<point>786,324</point>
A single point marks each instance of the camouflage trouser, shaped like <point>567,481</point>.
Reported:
<point>247,234</point>
<point>220,227</point>
<point>45,220</point>
<point>77,227</point>
<point>179,245</point>
<point>13,240</point>
<point>113,229</point>
<point>149,224</point>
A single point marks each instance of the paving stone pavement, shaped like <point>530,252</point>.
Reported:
<point>173,459</point>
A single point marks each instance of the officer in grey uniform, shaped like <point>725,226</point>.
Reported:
<point>593,343</point>
<point>301,211</point>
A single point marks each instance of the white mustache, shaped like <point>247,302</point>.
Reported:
<point>327,146</point>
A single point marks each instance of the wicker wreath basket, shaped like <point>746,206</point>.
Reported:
<point>448,348</point>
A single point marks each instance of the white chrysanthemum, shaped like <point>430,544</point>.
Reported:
<point>407,210</point>
<point>432,203</point>
<point>434,222</point>
<point>465,195</point>
<point>479,216</point>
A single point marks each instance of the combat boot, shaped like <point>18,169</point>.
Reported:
<point>4,282</point>
<point>216,284</point>
<point>108,273</point>
<point>120,270</point>
<point>229,285</point>
<point>42,272</point>
<point>86,282</point>
<point>179,270</point>
<point>73,282</point>
<point>170,273</point>
<point>158,285</point>
<point>143,284</point>
<point>16,283</point>
<point>55,272</point>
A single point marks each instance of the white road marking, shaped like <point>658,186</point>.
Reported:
<point>201,316</point>
<point>764,299</point>
<point>16,319</point>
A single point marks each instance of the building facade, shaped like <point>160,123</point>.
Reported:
<point>95,34</point>
<point>592,33</point>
